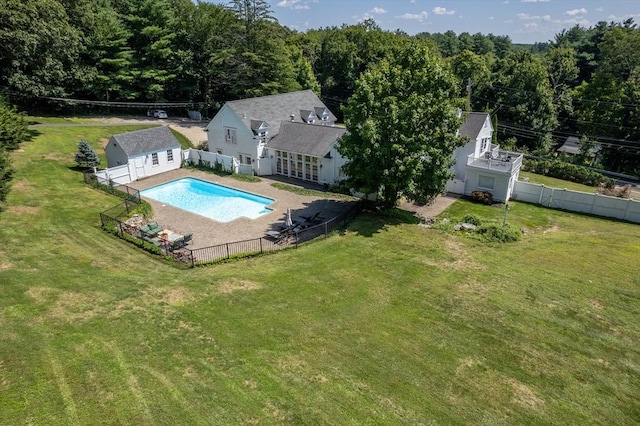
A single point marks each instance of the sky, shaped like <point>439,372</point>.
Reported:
<point>525,21</point>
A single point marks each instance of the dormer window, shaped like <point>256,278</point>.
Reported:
<point>308,116</point>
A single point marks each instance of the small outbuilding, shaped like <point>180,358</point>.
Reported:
<point>144,153</point>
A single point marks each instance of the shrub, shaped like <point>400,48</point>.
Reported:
<point>499,234</point>
<point>615,191</point>
<point>483,197</point>
<point>472,219</point>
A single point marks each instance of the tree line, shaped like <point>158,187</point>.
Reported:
<point>585,82</point>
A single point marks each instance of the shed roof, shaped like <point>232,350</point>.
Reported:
<point>572,146</point>
<point>473,124</point>
<point>275,109</point>
<point>308,139</point>
<point>147,140</point>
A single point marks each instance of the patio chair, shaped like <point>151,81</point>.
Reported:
<point>151,229</point>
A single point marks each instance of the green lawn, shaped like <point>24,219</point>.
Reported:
<point>556,183</point>
<point>384,323</point>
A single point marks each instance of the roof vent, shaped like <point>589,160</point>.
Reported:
<point>293,117</point>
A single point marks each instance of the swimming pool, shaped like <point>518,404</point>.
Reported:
<point>210,200</point>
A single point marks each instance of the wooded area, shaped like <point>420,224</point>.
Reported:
<point>584,83</point>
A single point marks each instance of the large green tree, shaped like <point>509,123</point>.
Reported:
<point>39,47</point>
<point>526,101</point>
<point>402,123</point>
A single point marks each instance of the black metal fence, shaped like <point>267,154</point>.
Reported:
<point>262,245</point>
<point>114,219</point>
<point>125,192</point>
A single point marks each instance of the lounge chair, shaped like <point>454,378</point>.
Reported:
<point>187,238</point>
<point>151,229</point>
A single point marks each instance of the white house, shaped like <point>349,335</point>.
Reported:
<point>134,155</point>
<point>294,135</point>
<point>291,134</point>
<point>480,165</point>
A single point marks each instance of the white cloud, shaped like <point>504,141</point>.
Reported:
<point>534,1</point>
<point>491,18</point>
<point>623,17</point>
<point>415,17</point>
<point>377,11</point>
<point>442,11</point>
<point>599,9</point>
<point>574,12</point>
<point>293,4</point>
<point>527,17</point>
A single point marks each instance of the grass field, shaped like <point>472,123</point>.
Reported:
<point>384,323</point>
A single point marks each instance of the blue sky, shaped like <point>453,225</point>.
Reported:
<point>525,21</point>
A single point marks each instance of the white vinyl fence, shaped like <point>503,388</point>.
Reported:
<point>120,175</point>
<point>582,202</point>
<point>197,156</point>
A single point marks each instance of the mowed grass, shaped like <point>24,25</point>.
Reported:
<point>384,323</point>
<point>556,183</point>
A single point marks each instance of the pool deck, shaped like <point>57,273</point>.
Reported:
<point>208,232</point>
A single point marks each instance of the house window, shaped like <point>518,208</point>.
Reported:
<point>170,155</point>
<point>244,159</point>
<point>154,159</point>
<point>486,182</point>
<point>230,135</point>
<point>485,143</point>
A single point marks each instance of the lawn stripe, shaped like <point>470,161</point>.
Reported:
<point>132,381</point>
<point>65,391</point>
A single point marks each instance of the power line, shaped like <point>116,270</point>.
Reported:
<point>596,101</point>
<point>124,104</point>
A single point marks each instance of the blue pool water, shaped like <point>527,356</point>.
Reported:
<point>207,199</point>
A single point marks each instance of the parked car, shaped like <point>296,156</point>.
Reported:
<point>157,113</point>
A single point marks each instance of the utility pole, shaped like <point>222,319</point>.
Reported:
<point>469,95</point>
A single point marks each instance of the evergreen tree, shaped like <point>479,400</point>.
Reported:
<point>86,156</point>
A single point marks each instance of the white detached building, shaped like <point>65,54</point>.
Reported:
<point>480,165</point>
<point>142,153</point>
<point>294,135</point>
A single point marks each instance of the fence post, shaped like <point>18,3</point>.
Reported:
<point>261,245</point>
<point>228,255</point>
<point>326,229</point>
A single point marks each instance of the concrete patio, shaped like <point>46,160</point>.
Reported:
<point>208,232</point>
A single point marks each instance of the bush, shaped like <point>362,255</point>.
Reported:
<point>472,219</point>
<point>499,234</point>
<point>483,197</point>
<point>615,191</point>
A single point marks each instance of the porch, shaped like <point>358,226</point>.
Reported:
<point>497,160</point>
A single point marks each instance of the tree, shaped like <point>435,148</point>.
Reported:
<point>402,122</point>
<point>525,97</point>
<point>86,156</point>
<point>6,174</point>
<point>13,130</point>
<point>39,47</point>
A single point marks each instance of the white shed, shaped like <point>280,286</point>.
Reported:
<point>145,152</point>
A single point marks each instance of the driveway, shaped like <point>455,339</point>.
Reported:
<point>191,129</point>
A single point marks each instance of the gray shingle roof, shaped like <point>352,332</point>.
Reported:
<point>276,108</point>
<point>147,140</point>
<point>572,146</point>
<point>472,124</point>
<point>308,139</point>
